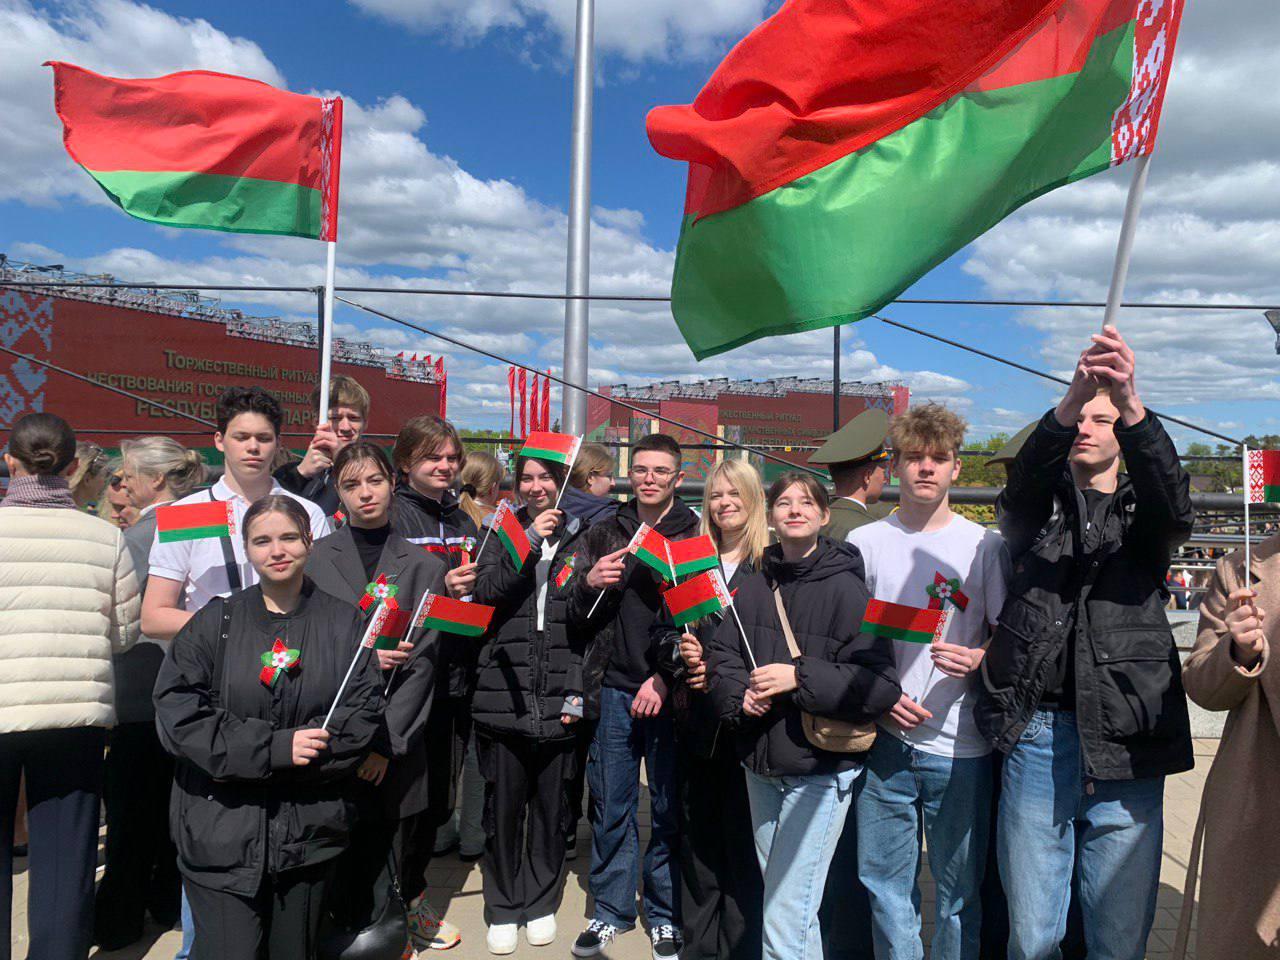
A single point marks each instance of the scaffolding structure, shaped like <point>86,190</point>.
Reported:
<point>776,387</point>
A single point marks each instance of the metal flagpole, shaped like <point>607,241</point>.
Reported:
<point>835,381</point>
<point>1132,207</point>
<point>574,402</point>
<point>326,335</point>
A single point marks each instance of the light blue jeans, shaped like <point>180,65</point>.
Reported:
<point>908,796</point>
<point>796,821</point>
<point>1050,824</point>
<point>188,928</point>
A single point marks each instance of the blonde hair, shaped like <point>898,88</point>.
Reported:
<point>92,462</point>
<point>182,469</point>
<point>482,471</point>
<point>744,478</point>
<point>930,428</point>
<point>593,458</point>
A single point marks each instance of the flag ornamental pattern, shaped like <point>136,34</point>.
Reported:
<point>454,616</point>
<point>276,661</point>
<point>508,530</point>
<point>206,150</point>
<point>650,548</point>
<point>566,572</point>
<point>194,521</point>
<point>556,447</point>
<point>391,627</point>
<point>943,591</point>
<point>1263,475</point>
<point>829,135</point>
<point>897,621</point>
<point>697,597</point>
<point>694,555</point>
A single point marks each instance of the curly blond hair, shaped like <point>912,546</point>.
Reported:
<point>928,428</point>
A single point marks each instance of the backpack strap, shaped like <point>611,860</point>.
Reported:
<point>792,646</point>
<point>220,653</point>
<point>229,558</point>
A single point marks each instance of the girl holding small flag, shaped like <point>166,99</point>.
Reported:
<point>720,888</point>
<point>365,562</point>
<point>803,714</point>
<point>260,805</point>
<point>528,698</point>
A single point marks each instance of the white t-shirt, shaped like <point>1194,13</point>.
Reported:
<point>901,566</point>
<point>200,566</point>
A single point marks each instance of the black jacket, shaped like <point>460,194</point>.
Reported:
<point>239,806</point>
<point>587,507</point>
<point>698,723</point>
<point>1106,597</point>
<point>843,674</point>
<point>622,654</point>
<point>525,674</point>
<point>320,489</point>
<point>442,528</point>
<point>335,567</point>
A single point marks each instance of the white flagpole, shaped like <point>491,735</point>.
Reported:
<point>334,706</point>
<point>1124,248</point>
<point>375,623</point>
<point>497,515</point>
<point>1248,496</point>
<point>326,336</point>
<point>742,630</point>
<point>928,681</point>
<point>568,470</point>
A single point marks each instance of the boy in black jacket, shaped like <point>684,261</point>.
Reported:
<point>625,688</point>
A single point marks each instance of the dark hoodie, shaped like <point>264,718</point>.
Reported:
<point>441,527</point>
<point>587,507</point>
<point>625,614</point>
<point>843,673</point>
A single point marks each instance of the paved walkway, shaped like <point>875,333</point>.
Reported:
<point>455,888</point>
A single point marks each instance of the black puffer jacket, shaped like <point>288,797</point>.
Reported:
<point>525,674</point>
<point>622,653</point>
<point>443,529</point>
<point>1130,708</point>
<point>239,806</point>
<point>843,674</point>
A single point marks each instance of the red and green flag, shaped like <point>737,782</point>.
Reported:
<point>694,555</point>
<point>511,534</point>
<point>650,548</point>
<point>208,150</point>
<point>896,621</point>
<point>697,597</point>
<point>566,571</point>
<point>453,616</point>
<point>1262,476</point>
<point>206,520</point>
<point>842,151</point>
<point>556,447</point>
<point>387,626</point>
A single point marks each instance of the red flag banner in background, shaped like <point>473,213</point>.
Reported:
<point>207,150</point>
<point>524,403</point>
<point>534,407</point>
<point>444,396</point>
<point>546,402</point>
<point>511,394</point>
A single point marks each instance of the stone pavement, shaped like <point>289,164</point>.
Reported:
<point>455,889</point>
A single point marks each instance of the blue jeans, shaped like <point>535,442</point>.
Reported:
<point>188,928</point>
<point>613,772</point>
<point>796,821</point>
<point>908,796</point>
<point>1052,823</point>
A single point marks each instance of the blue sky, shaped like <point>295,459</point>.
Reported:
<point>457,172</point>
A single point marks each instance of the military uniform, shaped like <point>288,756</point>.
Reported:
<point>859,441</point>
<point>848,515</point>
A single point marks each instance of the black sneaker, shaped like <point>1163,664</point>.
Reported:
<point>592,941</point>
<point>666,942</point>
<point>571,848</point>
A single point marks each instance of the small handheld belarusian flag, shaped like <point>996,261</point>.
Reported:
<point>650,548</point>
<point>694,555</point>
<point>556,447</point>
<point>1262,476</point>
<point>206,520</point>
<point>896,621</point>
<point>698,596</point>
<point>566,571</point>
<point>453,616</point>
<point>386,627</point>
<point>208,150</point>
<point>511,534</point>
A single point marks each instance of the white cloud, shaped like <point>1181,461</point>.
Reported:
<point>651,30</point>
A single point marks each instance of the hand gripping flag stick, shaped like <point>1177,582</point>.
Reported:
<point>642,546</point>
<point>371,633</point>
<point>414,624</point>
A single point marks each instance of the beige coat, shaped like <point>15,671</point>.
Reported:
<point>68,601</point>
<point>1239,913</point>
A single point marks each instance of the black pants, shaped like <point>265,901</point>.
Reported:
<point>283,916</point>
<point>524,824</point>
<point>142,863</point>
<point>64,785</point>
<point>576,785</point>
<point>359,890</point>
<point>721,891</point>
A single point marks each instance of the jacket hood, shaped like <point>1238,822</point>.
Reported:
<point>679,522</point>
<point>587,506</point>
<point>829,558</point>
<point>443,508</point>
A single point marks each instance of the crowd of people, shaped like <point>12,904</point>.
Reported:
<point>883,686</point>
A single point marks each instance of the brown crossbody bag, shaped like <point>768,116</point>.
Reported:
<point>834,736</point>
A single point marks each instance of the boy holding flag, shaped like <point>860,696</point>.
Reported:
<point>929,755</point>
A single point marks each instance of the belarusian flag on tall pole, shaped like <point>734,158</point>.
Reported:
<point>842,151</point>
<point>209,150</point>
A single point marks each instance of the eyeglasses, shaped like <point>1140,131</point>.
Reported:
<point>658,473</point>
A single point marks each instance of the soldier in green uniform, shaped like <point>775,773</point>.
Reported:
<point>856,459</point>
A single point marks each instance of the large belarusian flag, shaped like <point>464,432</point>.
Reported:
<point>201,149</point>
<point>1262,476</point>
<point>846,147</point>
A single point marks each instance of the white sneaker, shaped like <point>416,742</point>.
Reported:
<point>542,931</point>
<point>502,939</point>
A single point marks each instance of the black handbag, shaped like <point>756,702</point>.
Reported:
<point>383,939</point>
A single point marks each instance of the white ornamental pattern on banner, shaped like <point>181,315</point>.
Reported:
<point>26,325</point>
<point>1134,124</point>
<point>1257,494</point>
